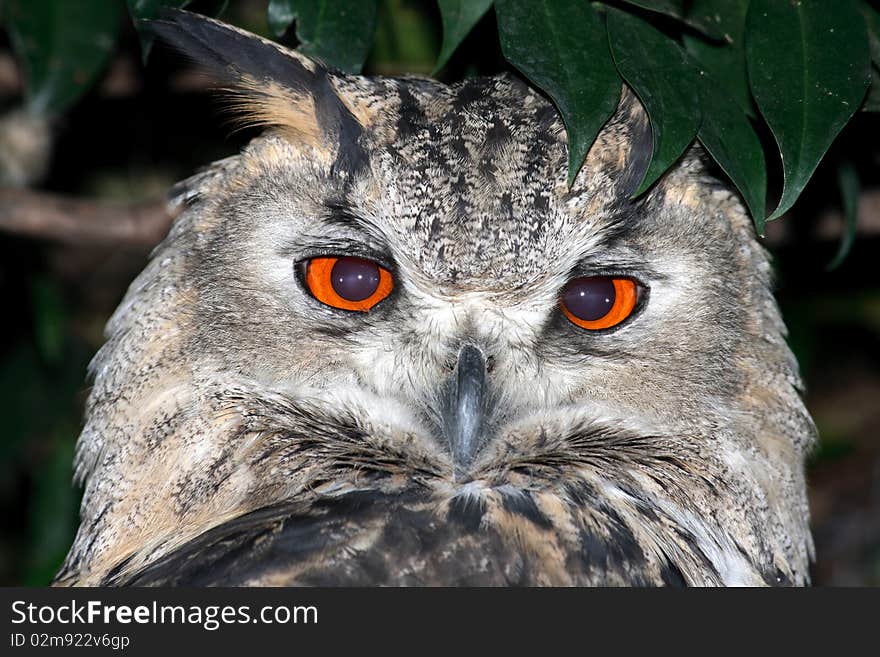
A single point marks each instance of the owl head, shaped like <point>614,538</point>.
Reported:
<point>391,332</point>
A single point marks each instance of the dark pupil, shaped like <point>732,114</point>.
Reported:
<point>355,279</point>
<point>589,298</point>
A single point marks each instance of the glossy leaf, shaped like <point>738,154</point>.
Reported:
<point>666,83</point>
<point>848,182</point>
<point>809,69</point>
<point>62,47</point>
<point>337,32</point>
<point>571,63</point>
<point>459,18</point>
<point>725,59</point>
<point>681,11</point>
<point>728,136</point>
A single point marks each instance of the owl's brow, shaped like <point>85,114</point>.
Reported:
<point>624,220</point>
<point>343,215</point>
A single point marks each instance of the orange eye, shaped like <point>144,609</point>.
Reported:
<point>598,302</point>
<point>348,283</point>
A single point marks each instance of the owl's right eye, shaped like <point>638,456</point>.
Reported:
<point>348,283</point>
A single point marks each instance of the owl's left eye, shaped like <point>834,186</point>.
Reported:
<point>599,302</point>
<point>348,283</point>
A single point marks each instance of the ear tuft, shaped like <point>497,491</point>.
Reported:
<point>638,139</point>
<point>269,85</point>
<point>232,54</point>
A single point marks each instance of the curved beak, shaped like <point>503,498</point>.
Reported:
<point>465,409</point>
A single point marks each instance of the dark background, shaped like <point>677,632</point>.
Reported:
<point>141,129</point>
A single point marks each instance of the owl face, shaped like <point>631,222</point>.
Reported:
<point>394,291</point>
<point>464,209</point>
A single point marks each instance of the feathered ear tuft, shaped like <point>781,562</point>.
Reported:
<point>231,53</point>
<point>270,85</point>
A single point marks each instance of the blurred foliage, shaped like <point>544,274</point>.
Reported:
<point>848,180</point>
<point>41,381</point>
<point>687,60</point>
<point>62,46</point>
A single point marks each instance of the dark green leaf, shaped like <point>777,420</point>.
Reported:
<point>62,47</point>
<point>570,62</point>
<point>143,10</point>
<point>665,81</point>
<point>728,135</point>
<point>848,181</point>
<point>459,18</point>
<point>337,32</point>
<point>678,9</point>
<point>725,60</point>
<point>809,69</point>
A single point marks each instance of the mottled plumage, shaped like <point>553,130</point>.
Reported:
<point>239,431</point>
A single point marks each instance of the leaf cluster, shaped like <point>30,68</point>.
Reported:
<point>720,72</point>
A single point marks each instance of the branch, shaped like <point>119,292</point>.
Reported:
<point>83,222</point>
<point>87,222</point>
<point>123,78</point>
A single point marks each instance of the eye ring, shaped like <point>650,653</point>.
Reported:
<point>596,303</point>
<point>347,282</point>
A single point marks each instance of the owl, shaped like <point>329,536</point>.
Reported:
<point>389,344</point>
